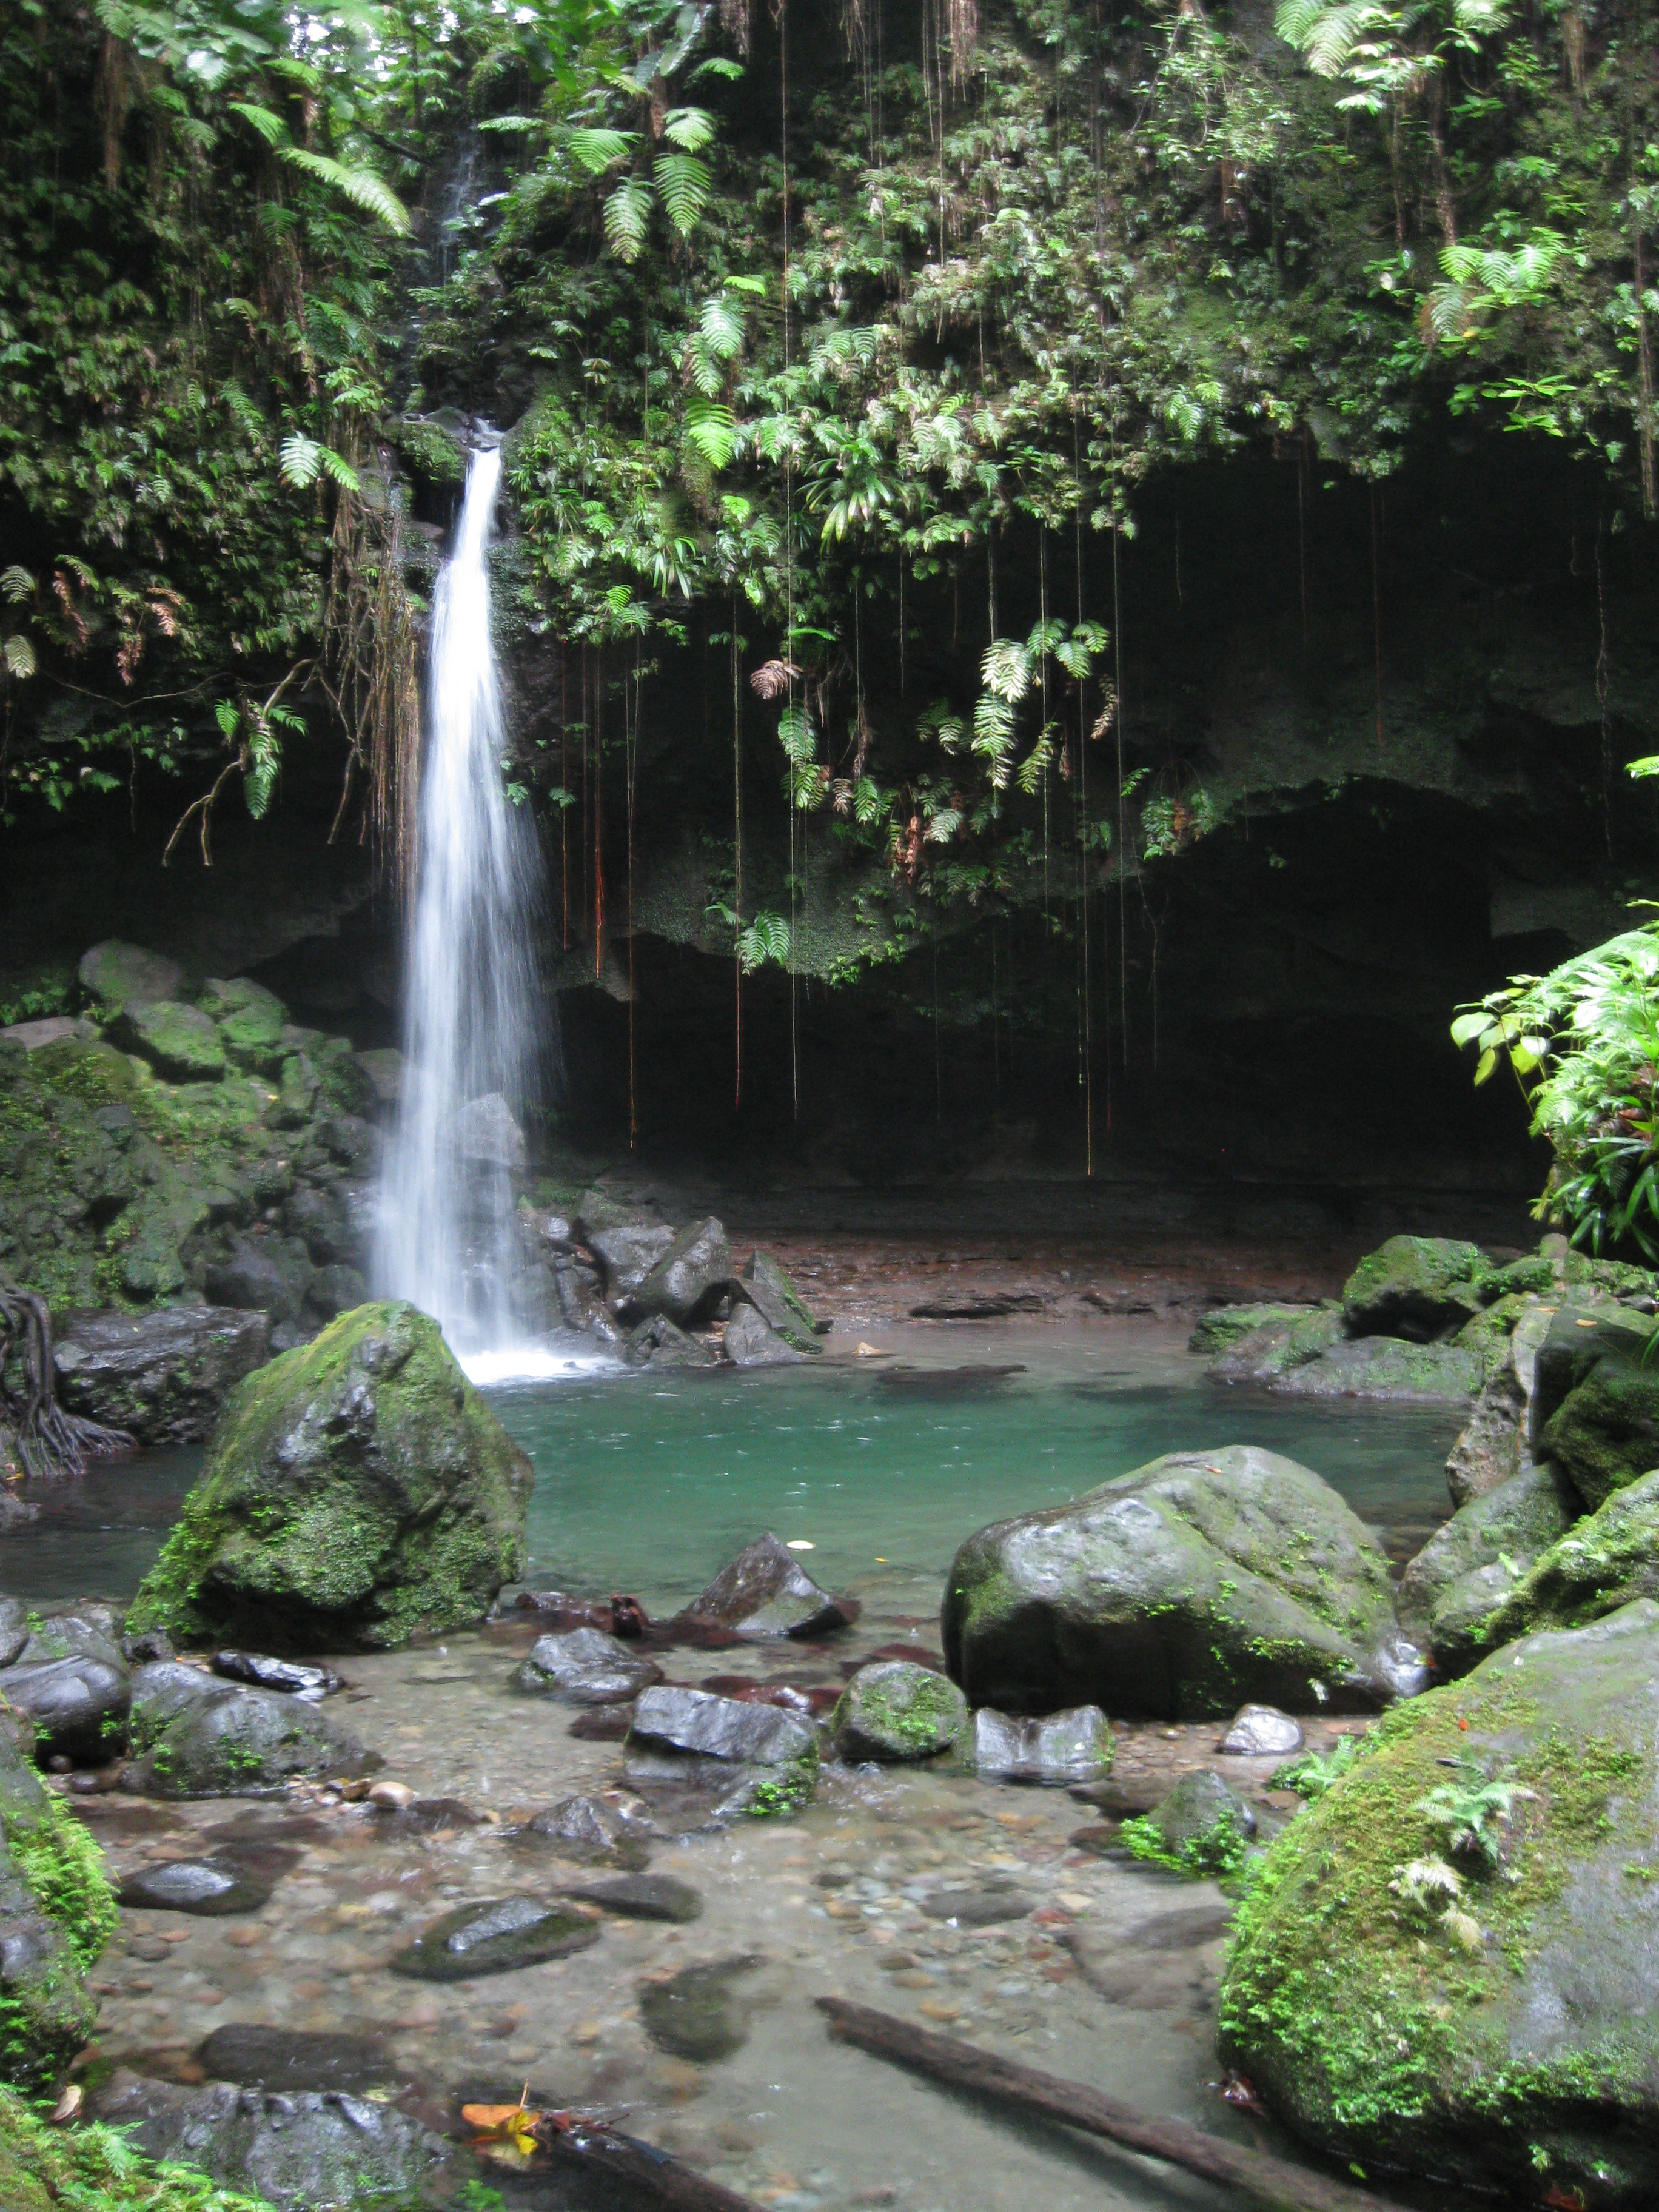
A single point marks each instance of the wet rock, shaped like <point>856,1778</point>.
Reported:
<point>1596,1404</point>
<point>751,1341</point>
<point>48,1900</point>
<point>116,974</point>
<point>593,1831</point>
<point>484,1132</point>
<point>250,1022</point>
<point>1063,1747</point>
<point>358,1489</point>
<point>14,1629</point>
<point>698,2014</point>
<point>1262,1732</point>
<point>286,1675</point>
<point>79,1629</point>
<point>603,1724</point>
<point>1398,1372</point>
<point>1469,1568</point>
<point>1600,1564</point>
<point>493,1936</point>
<point>162,1377</point>
<point>766,1592</point>
<point>685,1280</point>
<point>558,1609</point>
<point>15,1512</point>
<point>1201,1583</point>
<point>294,2150</point>
<point>576,1288</point>
<point>242,1743</point>
<point>1545,2063</point>
<point>780,1304</point>
<point>211,1886</point>
<point>78,1706</point>
<point>178,1042</point>
<point>1266,1354</point>
<point>393,1818</point>
<point>977,1908</point>
<point>1491,1446</point>
<point>896,1711</point>
<point>1222,1326</point>
<point>627,1249</point>
<point>661,1342</point>
<point>1202,1827</point>
<point>267,1274</point>
<point>1417,1287</point>
<point>154,1646</point>
<point>722,1728</point>
<point>256,2056</point>
<point>585,1667</point>
<point>161,1690</point>
<point>644,1897</point>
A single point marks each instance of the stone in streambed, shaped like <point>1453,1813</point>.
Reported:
<point>242,1743</point>
<point>744,1758</point>
<point>257,2057</point>
<point>689,1276</point>
<point>1468,1568</point>
<point>766,1592</point>
<point>627,1249</point>
<point>1416,1287</point>
<point>76,1706</point>
<point>208,1886</point>
<point>1218,1330</point>
<point>780,1304</point>
<point>977,1908</point>
<point>644,1897</point>
<point>1203,1826</point>
<point>264,1673</point>
<point>1522,2037</point>
<point>358,1489</point>
<point>1595,1400</point>
<point>592,1832</point>
<point>585,1667</point>
<point>1202,1582</point>
<point>659,1342</point>
<point>698,2014</point>
<point>1262,1732</point>
<point>161,1691</point>
<point>751,1341</point>
<point>1060,1748</point>
<point>493,1936</point>
<point>897,1712</point>
<point>162,1377</point>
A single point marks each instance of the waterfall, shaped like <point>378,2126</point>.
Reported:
<point>447,1235</point>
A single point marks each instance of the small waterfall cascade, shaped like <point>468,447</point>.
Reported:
<point>448,1237</point>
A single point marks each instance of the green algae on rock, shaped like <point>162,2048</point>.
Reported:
<point>358,1490</point>
<point>1405,2004</point>
<point>1202,1827</point>
<point>898,1712</point>
<point>1595,1408</point>
<point>1471,1565</point>
<point>1419,1287</point>
<point>56,1913</point>
<point>1201,1583</point>
<point>43,2168</point>
<point>1602,1562</point>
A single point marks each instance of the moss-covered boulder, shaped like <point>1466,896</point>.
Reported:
<point>1595,1403</point>
<point>1203,1582</point>
<point>1308,1355</point>
<point>358,1490</point>
<point>250,1022</point>
<point>114,974</point>
<point>43,2168</point>
<point>178,1041</point>
<point>1420,1287</point>
<point>1600,1563</point>
<point>896,1711</point>
<point>234,1742</point>
<point>1225,1325</point>
<point>56,1913</point>
<point>1447,1963</point>
<point>1471,1565</point>
<point>1202,1827</point>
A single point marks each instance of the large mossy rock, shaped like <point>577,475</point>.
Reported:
<point>1595,1400</point>
<point>358,1490</point>
<point>235,1742</point>
<point>57,1912</point>
<point>1308,1355</point>
<point>1600,1563</point>
<point>1471,1565</point>
<point>1505,2034</point>
<point>1420,1287</point>
<point>1203,1582</point>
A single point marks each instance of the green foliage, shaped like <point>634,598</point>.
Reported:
<point>1222,1850</point>
<point>1314,1773</point>
<point>64,1867</point>
<point>95,2169</point>
<point>1471,1811</point>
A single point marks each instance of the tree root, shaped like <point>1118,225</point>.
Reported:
<point>37,1436</point>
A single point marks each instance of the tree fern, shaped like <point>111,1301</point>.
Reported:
<point>303,460</point>
<point>596,150</point>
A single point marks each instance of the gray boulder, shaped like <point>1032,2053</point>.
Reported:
<point>77,1707</point>
<point>494,1935</point>
<point>751,1341</point>
<point>1201,1583</point>
<point>685,1281</point>
<point>1060,1748</point>
<point>746,1758</point>
<point>1312,1358</point>
<point>179,1041</point>
<point>1202,1827</point>
<point>642,1897</point>
<point>659,1342</point>
<point>593,1831</point>
<point>114,974</point>
<point>242,1743</point>
<point>1464,1989</point>
<point>628,1251</point>
<point>14,1629</point>
<point>780,1304</point>
<point>1261,1732</point>
<point>1601,1564</point>
<point>161,1691</point>
<point>582,1307</point>
<point>484,1132</point>
<point>1595,1400</point>
<point>1471,1566</point>
<point>267,1274</point>
<point>296,2150</point>
<point>208,1887</point>
<point>766,1592</point>
<point>1418,1287</point>
<point>162,1377</point>
<point>585,1667</point>
<point>898,1712</point>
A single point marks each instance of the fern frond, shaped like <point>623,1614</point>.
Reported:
<point>626,214</point>
<point>19,657</point>
<point>684,183</point>
<point>17,583</point>
<point>360,186</point>
<point>272,128</point>
<point>689,128</point>
<point>709,431</point>
<point>597,150</point>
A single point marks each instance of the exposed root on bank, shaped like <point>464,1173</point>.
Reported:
<point>37,1436</point>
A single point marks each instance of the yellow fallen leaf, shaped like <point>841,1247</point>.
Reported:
<point>508,2128</point>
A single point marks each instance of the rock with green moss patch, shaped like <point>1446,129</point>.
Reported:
<point>358,1490</point>
<point>1223,1325</point>
<point>1482,2013</point>
<point>1596,1403</point>
<point>1599,1564</point>
<point>114,974</point>
<point>1202,1827</point>
<point>774,1294</point>
<point>250,1022</point>
<point>1471,1565</point>
<point>233,1742</point>
<point>178,1041</point>
<point>1419,1287</point>
<point>1203,1582</point>
<point>57,1912</point>
<point>896,1711</point>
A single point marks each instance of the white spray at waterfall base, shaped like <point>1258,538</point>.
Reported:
<point>447,1237</point>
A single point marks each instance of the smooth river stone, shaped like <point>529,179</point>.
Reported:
<point>1261,1731</point>
<point>585,1667</point>
<point>698,2015</point>
<point>644,1897</point>
<point>977,1908</point>
<point>289,2059</point>
<point>496,1936</point>
<point>208,1886</point>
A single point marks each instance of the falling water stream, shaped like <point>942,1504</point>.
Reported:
<point>447,1215</point>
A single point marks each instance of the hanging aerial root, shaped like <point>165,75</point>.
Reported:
<point>37,1436</point>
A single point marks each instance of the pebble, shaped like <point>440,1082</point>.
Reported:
<point>393,1795</point>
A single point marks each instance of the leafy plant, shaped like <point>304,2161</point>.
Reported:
<point>1315,1772</point>
<point>1471,1811</point>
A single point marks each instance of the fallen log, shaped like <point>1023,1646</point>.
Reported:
<point>635,2171</point>
<point>1266,2180</point>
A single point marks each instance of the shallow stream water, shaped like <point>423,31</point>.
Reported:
<point>650,1484</point>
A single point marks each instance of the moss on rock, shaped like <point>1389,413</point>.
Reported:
<point>358,1489</point>
<point>56,1913</point>
<point>43,2169</point>
<point>898,1711</point>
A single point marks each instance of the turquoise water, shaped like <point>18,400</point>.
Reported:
<point>650,1484</point>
